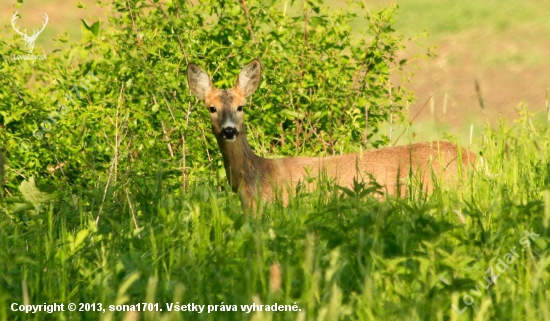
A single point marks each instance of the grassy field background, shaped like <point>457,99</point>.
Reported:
<point>503,45</point>
<point>476,251</point>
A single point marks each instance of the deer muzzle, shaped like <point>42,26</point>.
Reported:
<point>229,133</point>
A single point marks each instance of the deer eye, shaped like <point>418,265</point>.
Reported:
<point>240,108</point>
<point>212,109</point>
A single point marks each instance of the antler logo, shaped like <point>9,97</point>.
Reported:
<point>29,40</point>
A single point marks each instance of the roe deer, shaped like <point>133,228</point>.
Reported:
<point>256,177</point>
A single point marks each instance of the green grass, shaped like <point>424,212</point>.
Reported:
<point>342,256</point>
<point>447,17</point>
<point>499,33</point>
<point>502,44</point>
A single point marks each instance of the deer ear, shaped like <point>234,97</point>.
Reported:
<point>249,77</point>
<point>199,81</point>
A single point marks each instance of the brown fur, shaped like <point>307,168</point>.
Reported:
<point>256,177</point>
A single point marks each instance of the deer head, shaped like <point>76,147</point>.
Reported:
<point>29,40</point>
<point>225,105</point>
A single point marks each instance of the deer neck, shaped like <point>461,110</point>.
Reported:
<point>244,169</point>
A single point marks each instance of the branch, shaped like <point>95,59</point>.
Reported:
<point>245,9</point>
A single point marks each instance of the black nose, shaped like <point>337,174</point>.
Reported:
<point>229,132</point>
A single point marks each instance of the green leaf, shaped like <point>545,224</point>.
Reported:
<point>93,29</point>
<point>22,207</point>
<point>293,114</point>
<point>32,194</point>
<point>79,238</point>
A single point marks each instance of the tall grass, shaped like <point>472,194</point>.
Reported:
<point>337,254</point>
